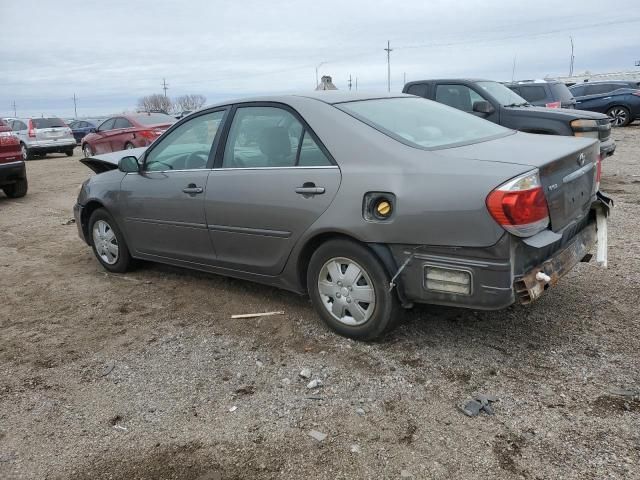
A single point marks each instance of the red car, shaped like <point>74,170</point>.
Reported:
<point>13,174</point>
<point>126,131</point>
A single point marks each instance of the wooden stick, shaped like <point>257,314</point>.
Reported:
<point>254,315</point>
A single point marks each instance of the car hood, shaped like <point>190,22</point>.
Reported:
<point>109,161</point>
<point>557,113</point>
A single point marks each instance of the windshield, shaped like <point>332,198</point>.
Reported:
<point>502,94</point>
<point>154,119</point>
<point>48,123</point>
<point>422,123</point>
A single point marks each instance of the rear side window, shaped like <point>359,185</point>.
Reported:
<point>533,93</point>
<point>560,92</point>
<point>578,90</point>
<point>122,123</point>
<point>422,123</point>
<point>600,88</point>
<point>17,125</point>
<point>48,123</point>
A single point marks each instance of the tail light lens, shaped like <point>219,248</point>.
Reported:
<point>554,105</point>
<point>598,172</point>
<point>519,206</point>
<point>150,134</point>
<point>32,132</point>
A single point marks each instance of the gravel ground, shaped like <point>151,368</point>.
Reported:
<point>145,376</point>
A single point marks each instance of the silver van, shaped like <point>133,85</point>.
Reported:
<point>39,136</point>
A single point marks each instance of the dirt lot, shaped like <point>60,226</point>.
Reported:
<point>145,376</point>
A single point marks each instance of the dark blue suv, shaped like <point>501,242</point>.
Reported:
<point>618,99</point>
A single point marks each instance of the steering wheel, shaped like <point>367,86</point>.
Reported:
<point>199,158</point>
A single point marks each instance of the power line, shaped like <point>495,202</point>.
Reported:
<point>388,50</point>
<point>165,87</point>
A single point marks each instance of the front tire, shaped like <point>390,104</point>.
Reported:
<point>108,243</point>
<point>349,288</point>
<point>620,116</point>
<point>129,146</point>
<point>16,190</point>
<point>87,151</point>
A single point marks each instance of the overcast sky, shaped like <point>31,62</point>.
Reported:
<point>109,53</point>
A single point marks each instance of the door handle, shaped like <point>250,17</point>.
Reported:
<point>310,188</point>
<point>191,189</point>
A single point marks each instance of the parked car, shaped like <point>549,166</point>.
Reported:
<point>619,100</point>
<point>13,174</point>
<point>126,132</point>
<point>544,93</point>
<point>81,128</point>
<point>39,136</point>
<point>364,202</point>
<point>496,103</point>
<point>182,114</point>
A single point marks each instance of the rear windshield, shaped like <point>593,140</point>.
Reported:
<point>422,123</point>
<point>3,123</point>
<point>48,123</point>
<point>561,92</point>
<point>154,119</point>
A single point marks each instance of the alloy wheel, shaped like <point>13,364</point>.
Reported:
<point>25,151</point>
<point>105,242</point>
<point>346,291</point>
<point>618,116</point>
<point>87,151</point>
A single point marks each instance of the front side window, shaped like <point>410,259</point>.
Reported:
<point>457,96</point>
<point>502,94</point>
<point>262,137</point>
<point>421,123</point>
<point>187,147</point>
<point>598,89</point>
<point>419,89</point>
<point>107,125</point>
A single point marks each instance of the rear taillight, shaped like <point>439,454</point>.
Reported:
<point>598,172</point>
<point>150,134</point>
<point>519,206</point>
<point>32,131</point>
<point>553,105</point>
<point>636,93</point>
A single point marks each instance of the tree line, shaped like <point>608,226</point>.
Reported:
<point>160,103</point>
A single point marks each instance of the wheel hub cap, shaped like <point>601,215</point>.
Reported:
<point>346,290</point>
<point>105,242</point>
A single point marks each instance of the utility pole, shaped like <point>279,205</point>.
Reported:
<point>388,50</point>
<point>404,79</point>
<point>349,81</point>
<point>317,67</point>
<point>14,109</point>
<point>513,70</point>
<point>75,105</point>
<point>165,87</point>
<point>356,84</point>
<point>572,58</point>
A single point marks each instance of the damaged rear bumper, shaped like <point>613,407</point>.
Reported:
<point>512,270</point>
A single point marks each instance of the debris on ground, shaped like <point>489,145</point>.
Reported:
<point>480,403</point>
<point>233,409</point>
<point>255,315</point>
<point>319,436</point>
<point>360,411</point>
<point>355,448</point>
<point>314,384</point>
<point>305,373</point>
<point>108,368</point>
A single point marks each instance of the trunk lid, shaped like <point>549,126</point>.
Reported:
<point>567,167</point>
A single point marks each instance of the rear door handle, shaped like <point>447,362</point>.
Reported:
<point>191,189</point>
<point>310,189</point>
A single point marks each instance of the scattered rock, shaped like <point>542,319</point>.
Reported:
<point>305,373</point>
<point>259,364</point>
<point>360,411</point>
<point>246,390</point>
<point>233,409</point>
<point>314,384</point>
<point>285,381</point>
<point>480,403</point>
<point>355,448</point>
<point>319,436</point>
<point>71,221</point>
<point>108,368</point>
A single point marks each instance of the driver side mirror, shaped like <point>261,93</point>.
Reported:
<point>483,107</point>
<point>129,164</point>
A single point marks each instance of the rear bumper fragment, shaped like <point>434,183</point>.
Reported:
<point>10,172</point>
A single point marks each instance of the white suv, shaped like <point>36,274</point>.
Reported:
<point>39,136</point>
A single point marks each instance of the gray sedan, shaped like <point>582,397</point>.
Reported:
<point>368,203</point>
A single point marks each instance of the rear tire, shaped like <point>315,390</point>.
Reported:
<point>129,146</point>
<point>27,154</point>
<point>69,153</point>
<point>349,288</point>
<point>620,116</point>
<point>108,243</point>
<point>16,190</point>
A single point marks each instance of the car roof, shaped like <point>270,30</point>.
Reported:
<point>330,97</point>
